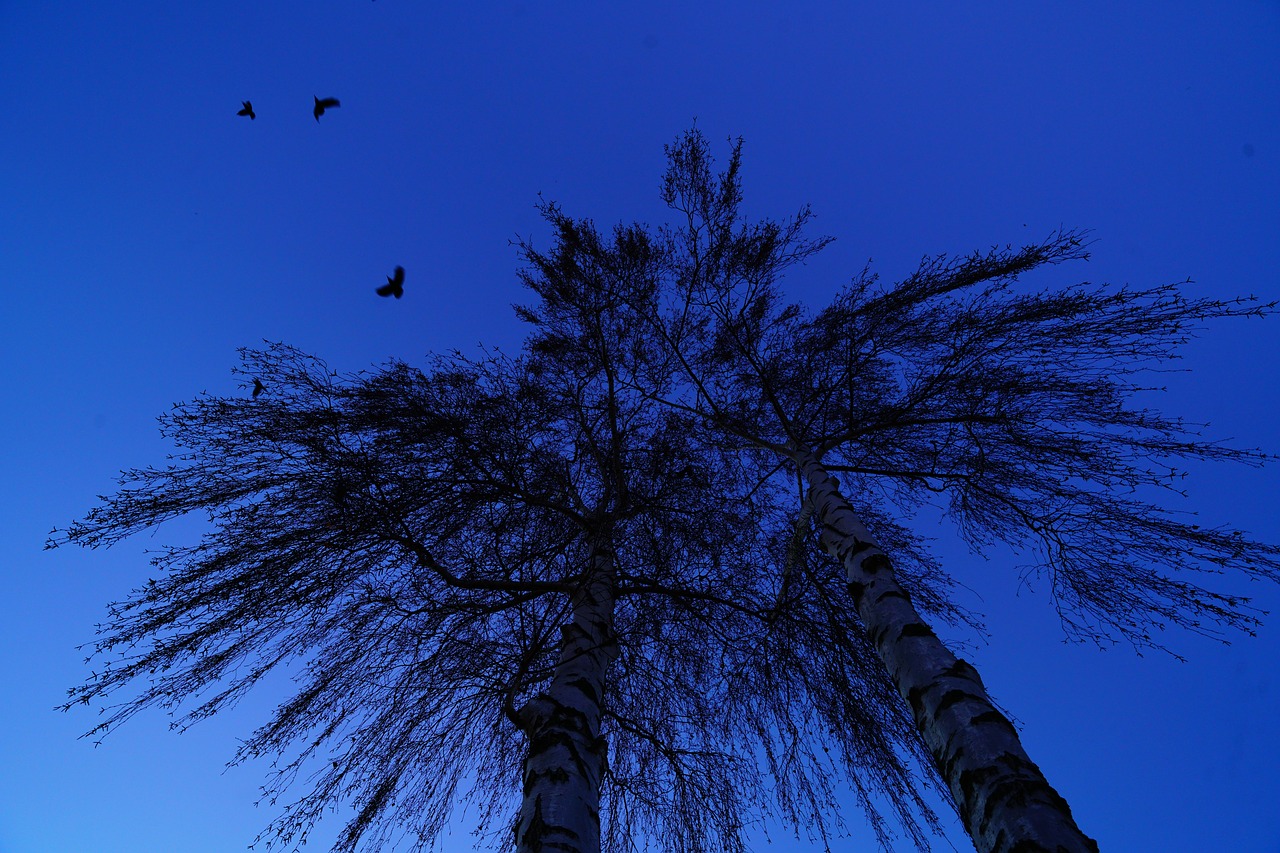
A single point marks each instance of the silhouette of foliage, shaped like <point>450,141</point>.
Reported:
<point>1016,410</point>
<point>482,571</point>
<point>1011,411</point>
<point>408,543</point>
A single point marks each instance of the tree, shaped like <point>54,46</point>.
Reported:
<point>436,559</point>
<point>491,569</point>
<point>1017,408</point>
<point>804,665</point>
<point>606,578</point>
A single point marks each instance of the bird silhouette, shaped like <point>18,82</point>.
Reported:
<point>258,387</point>
<point>247,110</point>
<point>394,286</point>
<point>323,104</point>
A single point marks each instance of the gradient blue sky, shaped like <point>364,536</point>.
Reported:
<point>146,232</point>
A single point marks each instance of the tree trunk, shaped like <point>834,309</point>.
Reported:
<point>567,756</point>
<point>1004,800</point>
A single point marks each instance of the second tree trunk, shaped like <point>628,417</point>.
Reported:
<point>1004,800</point>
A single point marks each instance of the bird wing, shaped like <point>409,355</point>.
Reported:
<point>399,276</point>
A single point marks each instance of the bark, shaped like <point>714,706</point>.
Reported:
<point>1004,800</point>
<point>567,756</point>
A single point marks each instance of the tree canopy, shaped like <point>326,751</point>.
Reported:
<point>483,570</point>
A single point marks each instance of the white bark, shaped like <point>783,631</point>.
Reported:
<point>1004,800</point>
<point>567,756</point>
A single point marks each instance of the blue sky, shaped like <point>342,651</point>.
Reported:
<point>146,232</point>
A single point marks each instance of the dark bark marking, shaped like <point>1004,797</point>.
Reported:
<point>536,833</point>
<point>951,697</point>
<point>844,548</point>
<point>992,717</point>
<point>1011,791</point>
<point>950,762</point>
<point>915,698</point>
<point>857,548</point>
<point>538,829</point>
<point>556,774</point>
<point>857,590</point>
<point>915,629</point>
<point>550,739</point>
<point>875,563</point>
<point>961,669</point>
<point>970,781</point>
<point>587,689</point>
<point>894,593</point>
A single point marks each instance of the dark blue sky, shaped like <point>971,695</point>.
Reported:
<point>146,232</point>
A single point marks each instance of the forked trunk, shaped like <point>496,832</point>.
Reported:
<point>567,756</point>
<point>1004,800</point>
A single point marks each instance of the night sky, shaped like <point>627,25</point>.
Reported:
<point>146,232</point>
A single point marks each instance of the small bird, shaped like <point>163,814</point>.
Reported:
<point>247,110</point>
<point>258,387</point>
<point>394,286</point>
<point>322,105</point>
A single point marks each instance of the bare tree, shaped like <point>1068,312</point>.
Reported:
<point>489,570</point>
<point>798,683</point>
<point>434,553</point>
<point>1015,409</point>
<point>590,590</point>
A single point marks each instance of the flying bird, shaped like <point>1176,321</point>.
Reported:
<point>247,110</point>
<point>394,286</point>
<point>323,104</point>
<point>258,387</point>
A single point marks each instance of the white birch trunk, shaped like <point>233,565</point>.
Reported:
<point>567,756</point>
<point>1004,800</point>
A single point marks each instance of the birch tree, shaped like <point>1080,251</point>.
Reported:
<point>516,584</point>
<point>432,554</point>
<point>1014,410</point>
<point>798,681</point>
<point>597,592</point>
